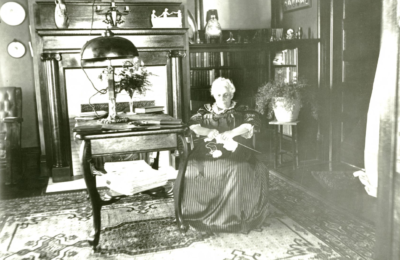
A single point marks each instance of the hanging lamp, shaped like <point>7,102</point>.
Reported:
<point>108,47</point>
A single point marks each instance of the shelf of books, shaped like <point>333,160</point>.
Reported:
<point>246,68</point>
<point>285,65</point>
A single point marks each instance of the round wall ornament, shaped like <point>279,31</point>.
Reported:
<point>12,13</point>
<point>16,49</point>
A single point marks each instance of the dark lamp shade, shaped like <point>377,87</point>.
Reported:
<point>107,48</point>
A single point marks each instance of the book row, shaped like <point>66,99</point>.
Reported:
<point>286,57</point>
<point>286,74</point>
<point>227,59</point>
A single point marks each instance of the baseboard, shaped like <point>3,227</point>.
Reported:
<point>31,162</point>
<point>61,174</point>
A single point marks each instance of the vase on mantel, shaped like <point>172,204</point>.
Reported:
<point>61,15</point>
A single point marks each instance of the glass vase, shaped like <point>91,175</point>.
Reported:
<point>133,99</point>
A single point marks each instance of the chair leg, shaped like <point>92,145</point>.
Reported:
<point>7,178</point>
<point>16,165</point>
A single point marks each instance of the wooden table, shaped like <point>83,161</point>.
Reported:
<point>120,140</point>
<point>277,136</point>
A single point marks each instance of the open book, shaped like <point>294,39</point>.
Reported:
<point>132,177</point>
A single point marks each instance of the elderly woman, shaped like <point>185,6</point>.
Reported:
<point>226,187</point>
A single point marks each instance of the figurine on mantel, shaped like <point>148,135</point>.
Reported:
<point>290,34</point>
<point>213,28</point>
<point>231,39</point>
<point>61,15</point>
<point>165,13</point>
<point>153,15</point>
<point>178,13</point>
<point>166,19</point>
<point>299,33</point>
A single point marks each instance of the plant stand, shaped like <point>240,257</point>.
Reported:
<point>277,136</point>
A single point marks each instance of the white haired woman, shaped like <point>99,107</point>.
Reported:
<point>225,187</point>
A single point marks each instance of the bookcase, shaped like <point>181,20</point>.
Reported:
<point>246,65</point>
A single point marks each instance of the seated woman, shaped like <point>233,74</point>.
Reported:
<point>225,187</point>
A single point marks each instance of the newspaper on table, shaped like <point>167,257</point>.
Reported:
<point>130,177</point>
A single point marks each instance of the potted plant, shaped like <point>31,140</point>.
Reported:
<point>134,79</point>
<point>284,100</point>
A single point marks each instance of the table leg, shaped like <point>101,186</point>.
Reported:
<point>90,180</point>
<point>279,150</point>
<point>295,148</point>
<point>178,186</point>
<point>274,147</point>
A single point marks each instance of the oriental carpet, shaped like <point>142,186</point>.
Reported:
<point>142,227</point>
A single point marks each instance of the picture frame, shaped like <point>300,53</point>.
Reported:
<point>292,5</point>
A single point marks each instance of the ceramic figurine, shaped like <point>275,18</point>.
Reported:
<point>257,36</point>
<point>178,13</point>
<point>300,33</point>
<point>153,15</point>
<point>279,34</point>
<point>179,16</point>
<point>289,34</point>
<point>61,15</point>
<point>230,39</point>
<point>239,37</point>
<point>213,28</point>
<point>165,13</point>
<point>273,35</point>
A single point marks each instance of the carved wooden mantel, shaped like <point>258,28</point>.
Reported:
<point>56,50</point>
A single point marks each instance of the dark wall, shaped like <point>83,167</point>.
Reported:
<point>19,73</point>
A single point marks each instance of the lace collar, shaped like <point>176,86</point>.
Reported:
<point>217,110</point>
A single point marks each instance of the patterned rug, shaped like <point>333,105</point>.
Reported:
<point>142,227</point>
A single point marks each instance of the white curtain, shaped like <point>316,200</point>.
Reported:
<point>385,79</point>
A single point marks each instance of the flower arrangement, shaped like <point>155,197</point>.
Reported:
<point>132,78</point>
<point>292,92</point>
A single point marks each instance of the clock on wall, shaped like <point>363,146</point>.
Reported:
<point>16,49</point>
<point>12,13</point>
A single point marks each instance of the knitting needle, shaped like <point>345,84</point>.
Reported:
<point>239,144</point>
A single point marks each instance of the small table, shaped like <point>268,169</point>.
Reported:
<point>120,140</point>
<point>277,136</point>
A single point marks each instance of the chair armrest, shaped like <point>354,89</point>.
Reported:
<point>13,119</point>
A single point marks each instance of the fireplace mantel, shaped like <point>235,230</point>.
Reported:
<point>56,50</point>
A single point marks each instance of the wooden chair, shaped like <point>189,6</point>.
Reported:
<point>10,134</point>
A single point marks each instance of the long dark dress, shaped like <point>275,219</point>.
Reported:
<point>229,193</point>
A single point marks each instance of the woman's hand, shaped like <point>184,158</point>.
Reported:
<point>212,134</point>
<point>228,135</point>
